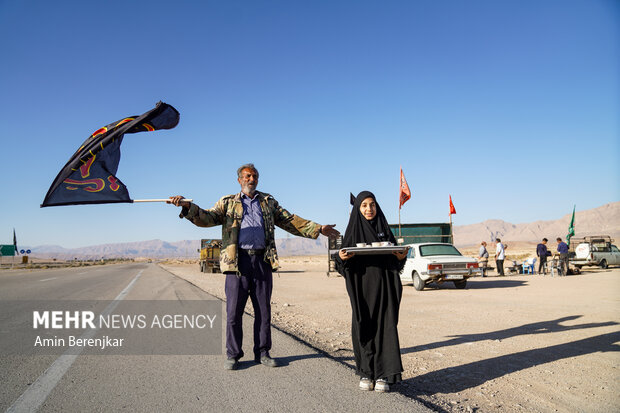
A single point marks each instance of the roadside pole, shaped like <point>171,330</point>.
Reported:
<point>451,233</point>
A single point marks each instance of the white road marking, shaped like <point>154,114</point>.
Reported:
<point>37,392</point>
<point>47,279</point>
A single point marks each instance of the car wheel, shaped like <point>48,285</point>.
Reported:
<point>418,284</point>
<point>460,285</point>
<point>604,264</point>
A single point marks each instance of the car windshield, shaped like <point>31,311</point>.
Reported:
<point>438,249</point>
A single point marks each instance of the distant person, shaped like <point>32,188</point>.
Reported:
<point>248,256</point>
<point>542,253</point>
<point>483,257</point>
<point>374,288</point>
<point>500,256</point>
<point>563,251</point>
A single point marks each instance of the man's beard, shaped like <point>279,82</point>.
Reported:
<point>248,189</point>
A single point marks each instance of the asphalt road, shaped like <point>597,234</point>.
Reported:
<point>306,381</point>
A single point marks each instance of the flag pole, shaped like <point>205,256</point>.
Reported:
<point>451,233</point>
<point>400,199</point>
<point>161,200</point>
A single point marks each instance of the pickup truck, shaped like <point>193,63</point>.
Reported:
<point>430,262</point>
<point>595,251</point>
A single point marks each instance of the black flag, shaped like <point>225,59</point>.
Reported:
<point>90,175</point>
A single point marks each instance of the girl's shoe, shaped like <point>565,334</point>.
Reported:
<point>382,386</point>
<point>366,384</point>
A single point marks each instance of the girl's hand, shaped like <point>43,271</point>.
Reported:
<point>401,255</point>
<point>344,255</point>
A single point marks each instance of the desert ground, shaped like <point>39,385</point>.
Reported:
<point>519,343</point>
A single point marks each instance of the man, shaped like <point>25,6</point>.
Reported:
<point>249,256</point>
<point>563,251</point>
<point>500,256</point>
<point>542,253</point>
<point>483,257</point>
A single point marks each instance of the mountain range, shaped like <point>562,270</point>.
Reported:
<point>604,220</point>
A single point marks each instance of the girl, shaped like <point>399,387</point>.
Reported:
<point>374,288</point>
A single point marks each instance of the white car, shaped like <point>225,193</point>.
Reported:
<point>437,262</point>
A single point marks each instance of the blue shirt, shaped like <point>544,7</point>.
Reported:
<point>541,250</point>
<point>562,248</point>
<point>252,230</point>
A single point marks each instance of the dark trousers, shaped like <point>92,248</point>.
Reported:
<point>563,263</point>
<point>256,282</point>
<point>542,265</point>
<point>500,266</point>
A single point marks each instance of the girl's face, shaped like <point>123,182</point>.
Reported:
<point>368,208</point>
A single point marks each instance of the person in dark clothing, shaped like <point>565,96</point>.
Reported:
<point>483,258</point>
<point>542,253</point>
<point>500,256</point>
<point>563,251</point>
<point>375,290</point>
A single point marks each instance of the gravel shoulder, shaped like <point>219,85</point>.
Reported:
<point>519,343</point>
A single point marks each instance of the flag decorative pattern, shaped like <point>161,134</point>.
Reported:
<point>89,177</point>
<point>405,193</point>
<point>452,209</point>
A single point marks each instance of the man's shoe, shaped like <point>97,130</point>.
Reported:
<point>267,361</point>
<point>231,364</point>
<point>382,386</point>
<point>366,384</point>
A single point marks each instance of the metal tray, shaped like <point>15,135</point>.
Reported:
<point>375,250</point>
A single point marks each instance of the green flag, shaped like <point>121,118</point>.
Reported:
<point>571,227</point>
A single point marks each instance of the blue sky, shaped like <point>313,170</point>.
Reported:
<point>511,107</point>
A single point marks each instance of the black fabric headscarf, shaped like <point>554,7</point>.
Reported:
<point>360,229</point>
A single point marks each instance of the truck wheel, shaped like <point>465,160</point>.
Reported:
<point>604,264</point>
<point>460,285</point>
<point>418,284</point>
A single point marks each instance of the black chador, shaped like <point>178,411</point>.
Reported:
<point>375,290</point>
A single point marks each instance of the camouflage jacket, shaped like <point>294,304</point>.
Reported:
<point>228,212</point>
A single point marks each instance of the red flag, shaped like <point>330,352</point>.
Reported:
<point>405,193</point>
<point>452,210</point>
